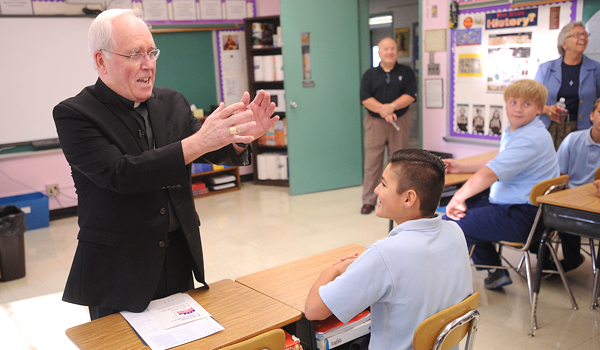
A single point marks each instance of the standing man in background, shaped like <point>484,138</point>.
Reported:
<point>130,145</point>
<point>386,91</point>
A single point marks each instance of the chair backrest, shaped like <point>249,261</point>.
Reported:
<point>448,327</point>
<point>597,174</point>
<point>271,340</point>
<point>548,186</point>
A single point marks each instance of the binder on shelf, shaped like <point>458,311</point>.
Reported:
<point>259,69</point>
<point>272,166</point>
<point>278,66</point>
<point>220,179</point>
<point>269,67</point>
<point>221,186</point>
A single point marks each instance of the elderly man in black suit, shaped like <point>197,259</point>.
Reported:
<point>130,145</point>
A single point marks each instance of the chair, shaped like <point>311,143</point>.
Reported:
<point>271,340</point>
<point>541,189</point>
<point>597,174</point>
<point>448,327</point>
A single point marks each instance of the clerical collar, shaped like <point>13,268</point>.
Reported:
<point>128,103</point>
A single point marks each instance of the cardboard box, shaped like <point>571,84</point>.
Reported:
<point>35,207</point>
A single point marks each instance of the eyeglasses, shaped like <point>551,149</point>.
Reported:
<point>387,78</point>
<point>579,35</point>
<point>138,57</point>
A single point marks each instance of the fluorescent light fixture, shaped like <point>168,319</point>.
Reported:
<point>387,19</point>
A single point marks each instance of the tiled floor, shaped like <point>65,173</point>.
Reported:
<point>260,227</point>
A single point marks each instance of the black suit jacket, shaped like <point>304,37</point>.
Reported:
<point>123,188</point>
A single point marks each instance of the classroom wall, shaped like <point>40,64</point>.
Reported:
<point>30,172</point>
<point>267,8</point>
<point>435,120</point>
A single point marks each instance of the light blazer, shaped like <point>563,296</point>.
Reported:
<point>123,189</point>
<point>550,75</point>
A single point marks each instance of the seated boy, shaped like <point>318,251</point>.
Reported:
<point>579,157</point>
<point>526,157</point>
<point>421,268</point>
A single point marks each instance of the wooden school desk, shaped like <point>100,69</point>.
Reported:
<point>577,211</point>
<point>290,283</point>
<point>243,313</point>
<point>456,179</point>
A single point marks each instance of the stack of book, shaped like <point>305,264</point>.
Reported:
<point>292,342</point>
<point>331,332</point>
<point>276,135</point>
<point>221,182</point>
<point>199,188</point>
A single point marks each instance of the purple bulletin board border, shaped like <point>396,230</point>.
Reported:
<point>499,8</point>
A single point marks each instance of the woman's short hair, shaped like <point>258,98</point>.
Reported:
<point>423,172</point>
<point>100,35</point>
<point>562,36</point>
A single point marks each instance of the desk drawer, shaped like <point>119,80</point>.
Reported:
<point>579,222</point>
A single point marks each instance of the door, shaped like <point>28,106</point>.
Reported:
<point>324,114</point>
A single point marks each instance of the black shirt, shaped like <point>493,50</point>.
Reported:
<point>568,90</point>
<point>387,87</point>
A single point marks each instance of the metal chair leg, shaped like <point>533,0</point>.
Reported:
<point>561,272</point>
<point>596,275</point>
<point>529,278</point>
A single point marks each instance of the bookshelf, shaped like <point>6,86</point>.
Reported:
<point>256,85</point>
<point>201,177</point>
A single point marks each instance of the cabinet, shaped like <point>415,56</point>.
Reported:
<point>271,23</point>
<point>202,177</point>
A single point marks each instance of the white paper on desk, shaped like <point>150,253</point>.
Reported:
<point>176,310</point>
<point>157,338</point>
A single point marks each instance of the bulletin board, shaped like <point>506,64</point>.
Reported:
<point>186,64</point>
<point>492,47</point>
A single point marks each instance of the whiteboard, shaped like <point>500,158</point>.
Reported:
<point>44,60</point>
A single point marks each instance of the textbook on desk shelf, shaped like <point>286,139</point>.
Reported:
<point>331,332</point>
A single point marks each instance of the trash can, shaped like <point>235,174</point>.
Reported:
<point>12,243</point>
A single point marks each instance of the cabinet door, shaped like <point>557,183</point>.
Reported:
<point>325,127</point>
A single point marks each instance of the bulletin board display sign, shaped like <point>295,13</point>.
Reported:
<point>491,48</point>
<point>233,77</point>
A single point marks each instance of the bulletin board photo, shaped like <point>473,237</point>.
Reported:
<point>491,48</point>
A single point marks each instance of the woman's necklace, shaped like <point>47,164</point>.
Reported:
<point>568,71</point>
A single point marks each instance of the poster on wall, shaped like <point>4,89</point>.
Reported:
<point>403,42</point>
<point>492,47</point>
<point>233,77</point>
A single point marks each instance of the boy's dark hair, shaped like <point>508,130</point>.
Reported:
<point>422,171</point>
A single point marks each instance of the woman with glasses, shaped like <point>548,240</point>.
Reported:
<point>572,76</point>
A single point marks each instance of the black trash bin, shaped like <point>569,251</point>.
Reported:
<point>12,243</point>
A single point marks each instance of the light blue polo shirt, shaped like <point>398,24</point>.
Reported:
<point>579,157</point>
<point>421,268</point>
<point>526,157</point>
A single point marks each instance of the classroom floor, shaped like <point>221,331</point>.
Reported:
<point>262,226</point>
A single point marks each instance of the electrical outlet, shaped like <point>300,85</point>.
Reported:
<point>52,190</point>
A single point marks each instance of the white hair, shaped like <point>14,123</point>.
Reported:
<point>100,35</point>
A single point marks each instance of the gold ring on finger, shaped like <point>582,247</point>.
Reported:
<point>233,130</point>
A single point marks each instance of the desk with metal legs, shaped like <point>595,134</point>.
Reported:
<point>575,211</point>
